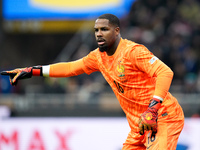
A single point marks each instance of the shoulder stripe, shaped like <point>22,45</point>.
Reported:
<point>153,59</point>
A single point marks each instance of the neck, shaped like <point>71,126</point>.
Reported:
<point>112,49</point>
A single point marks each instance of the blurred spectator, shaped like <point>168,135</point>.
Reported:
<point>170,29</point>
<point>5,86</point>
<point>54,85</point>
<point>198,81</point>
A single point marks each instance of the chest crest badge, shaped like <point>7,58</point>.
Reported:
<point>121,71</point>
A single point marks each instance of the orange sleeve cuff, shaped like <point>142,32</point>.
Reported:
<point>66,69</point>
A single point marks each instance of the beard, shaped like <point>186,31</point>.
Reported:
<point>103,48</point>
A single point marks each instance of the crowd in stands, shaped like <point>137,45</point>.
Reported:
<point>171,30</point>
<point>168,28</point>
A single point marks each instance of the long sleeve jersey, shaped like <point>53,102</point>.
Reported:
<point>134,74</point>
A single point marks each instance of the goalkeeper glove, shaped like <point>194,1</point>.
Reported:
<point>22,73</point>
<point>148,120</point>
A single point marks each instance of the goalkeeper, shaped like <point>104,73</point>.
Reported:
<point>139,80</point>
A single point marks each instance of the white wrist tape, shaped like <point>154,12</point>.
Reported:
<point>158,97</point>
<point>46,70</point>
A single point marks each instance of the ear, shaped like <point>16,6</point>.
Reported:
<point>117,30</point>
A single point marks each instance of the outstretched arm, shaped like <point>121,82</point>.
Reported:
<point>66,69</point>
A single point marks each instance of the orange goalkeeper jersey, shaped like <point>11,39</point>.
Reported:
<point>131,74</point>
<point>134,74</point>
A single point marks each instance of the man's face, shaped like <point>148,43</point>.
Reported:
<point>105,34</point>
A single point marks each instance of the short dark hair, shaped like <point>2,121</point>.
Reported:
<point>114,20</point>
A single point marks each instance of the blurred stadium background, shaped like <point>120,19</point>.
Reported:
<point>40,32</point>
